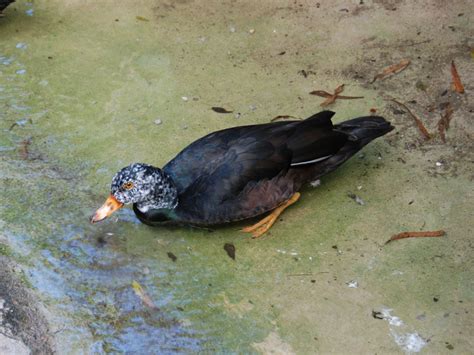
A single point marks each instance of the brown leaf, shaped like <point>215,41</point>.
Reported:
<point>404,235</point>
<point>330,98</point>
<point>458,86</point>
<point>230,249</point>
<point>320,93</point>
<point>392,69</point>
<point>418,122</point>
<point>220,110</point>
<point>333,97</point>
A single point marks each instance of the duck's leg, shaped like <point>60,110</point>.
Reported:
<point>262,226</point>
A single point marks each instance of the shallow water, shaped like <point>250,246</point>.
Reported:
<point>85,82</point>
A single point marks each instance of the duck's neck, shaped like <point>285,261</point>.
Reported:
<point>163,196</point>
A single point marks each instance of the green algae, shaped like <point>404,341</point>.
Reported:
<point>96,80</point>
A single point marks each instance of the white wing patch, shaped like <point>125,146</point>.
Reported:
<point>311,161</point>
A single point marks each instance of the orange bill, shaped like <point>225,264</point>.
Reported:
<point>110,206</point>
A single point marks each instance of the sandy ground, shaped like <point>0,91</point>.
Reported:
<point>84,85</point>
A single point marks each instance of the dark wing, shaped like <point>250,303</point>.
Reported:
<point>220,167</point>
<point>206,153</point>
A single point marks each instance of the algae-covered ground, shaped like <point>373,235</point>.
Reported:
<point>88,87</point>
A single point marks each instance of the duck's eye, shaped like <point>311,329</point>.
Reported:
<point>127,185</point>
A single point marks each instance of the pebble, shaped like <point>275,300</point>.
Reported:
<point>157,121</point>
<point>21,71</point>
<point>232,29</point>
<point>21,45</point>
<point>185,98</point>
<point>438,163</point>
<point>29,12</point>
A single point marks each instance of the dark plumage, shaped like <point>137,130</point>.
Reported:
<point>242,172</point>
<point>4,4</point>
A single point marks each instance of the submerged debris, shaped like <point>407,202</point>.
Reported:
<point>306,73</point>
<point>392,69</point>
<point>404,235</point>
<point>352,284</point>
<point>356,198</point>
<point>443,123</point>
<point>418,122</point>
<point>141,18</point>
<point>24,150</point>
<point>172,256</point>
<point>220,110</point>
<point>315,183</point>
<point>140,292</point>
<point>330,98</point>
<point>230,249</point>
<point>457,84</point>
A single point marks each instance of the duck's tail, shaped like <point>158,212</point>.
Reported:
<point>360,131</point>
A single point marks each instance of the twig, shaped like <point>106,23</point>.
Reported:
<point>418,122</point>
<point>404,235</point>
<point>415,43</point>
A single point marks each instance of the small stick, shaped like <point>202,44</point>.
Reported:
<point>457,84</point>
<point>418,122</point>
<point>426,234</point>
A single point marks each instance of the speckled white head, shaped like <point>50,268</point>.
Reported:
<point>147,186</point>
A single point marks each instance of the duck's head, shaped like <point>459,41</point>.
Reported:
<point>142,184</point>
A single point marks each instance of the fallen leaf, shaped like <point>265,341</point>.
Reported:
<point>458,86</point>
<point>392,69</point>
<point>230,249</point>
<point>220,110</point>
<point>140,292</point>
<point>404,235</point>
<point>330,98</point>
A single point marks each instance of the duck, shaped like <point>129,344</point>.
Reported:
<point>240,173</point>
